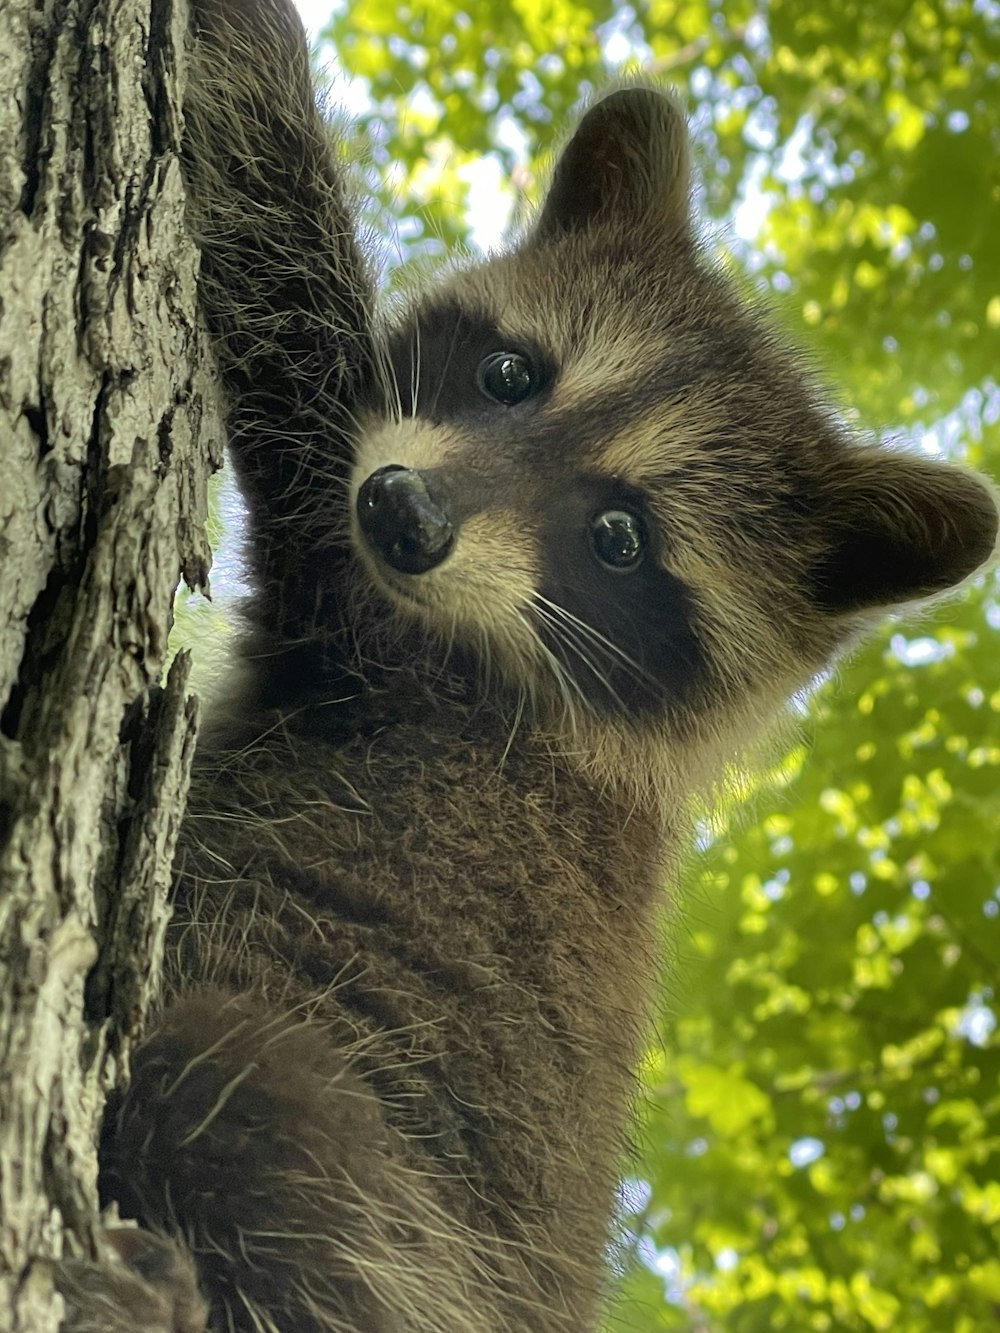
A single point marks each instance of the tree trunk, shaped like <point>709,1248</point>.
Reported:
<point>106,411</point>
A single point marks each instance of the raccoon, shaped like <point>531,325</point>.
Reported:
<point>532,559</point>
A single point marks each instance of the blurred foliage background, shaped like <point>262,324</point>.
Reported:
<point>820,1140</point>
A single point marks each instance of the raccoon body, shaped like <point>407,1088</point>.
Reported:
<point>531,562</point>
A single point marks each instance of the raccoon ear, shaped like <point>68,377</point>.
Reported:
<point>627,161</point>
<point>902,528</point>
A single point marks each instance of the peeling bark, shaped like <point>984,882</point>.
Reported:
<point>109,427</point>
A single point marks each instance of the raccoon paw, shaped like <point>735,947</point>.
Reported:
<point>148,1282</point>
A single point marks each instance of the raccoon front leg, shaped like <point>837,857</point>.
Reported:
<point>288,297</point>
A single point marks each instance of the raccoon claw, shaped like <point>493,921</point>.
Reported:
<point>148,1283</point>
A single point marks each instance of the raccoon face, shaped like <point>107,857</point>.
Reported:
<point>593,464</point>
<point>484,511</point>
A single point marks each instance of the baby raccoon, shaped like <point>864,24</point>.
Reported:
<point>530,564</point>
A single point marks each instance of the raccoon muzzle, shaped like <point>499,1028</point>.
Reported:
<point>401,521</point>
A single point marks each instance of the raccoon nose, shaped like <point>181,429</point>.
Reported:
<point>401,522</point>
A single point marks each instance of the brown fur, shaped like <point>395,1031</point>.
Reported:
<point>430,830</point>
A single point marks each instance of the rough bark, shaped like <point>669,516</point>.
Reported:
<point>105,415</point>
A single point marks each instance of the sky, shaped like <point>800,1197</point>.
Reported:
<point>314,14</point>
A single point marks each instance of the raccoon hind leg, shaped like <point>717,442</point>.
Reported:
<point>251,1134</point>
<point>146,1282</point>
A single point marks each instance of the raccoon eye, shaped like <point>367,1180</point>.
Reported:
<point>506,376</point>
<point>618,539</point>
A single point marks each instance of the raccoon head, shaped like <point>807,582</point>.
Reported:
<point>596,467</point>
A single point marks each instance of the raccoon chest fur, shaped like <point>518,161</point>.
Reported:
<point>470,924</point>
<point>428,880</point>
<point>533,556</point>
<point>442,909</point>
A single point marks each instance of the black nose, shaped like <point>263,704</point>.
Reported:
<point>401,522</point>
